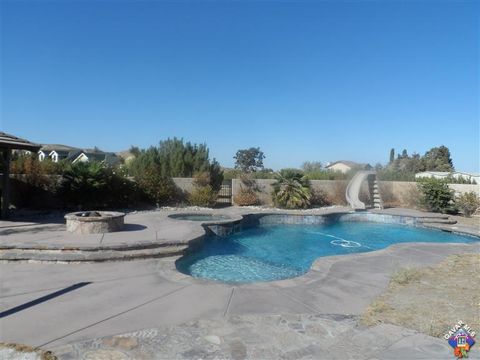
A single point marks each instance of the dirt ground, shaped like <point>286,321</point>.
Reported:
<point>432,299</point>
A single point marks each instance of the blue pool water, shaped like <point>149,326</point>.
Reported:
<point>274,252</point>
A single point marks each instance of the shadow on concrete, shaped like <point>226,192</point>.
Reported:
<point>31,229</point>
<point>42,299</point>
<point>133,227</point>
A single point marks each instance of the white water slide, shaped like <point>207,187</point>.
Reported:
<point>353,189</point>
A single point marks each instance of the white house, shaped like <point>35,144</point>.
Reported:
<point>447,174</point>
<point>345,166</point>
<point>88,155</point>
<point>55,152</point>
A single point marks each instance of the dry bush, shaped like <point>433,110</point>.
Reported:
<point>319,198</point>
<point>388,197</point>
<point>413,198</point>
<point>337,197</point>
<point>409,198</point>
<point>246,197</point>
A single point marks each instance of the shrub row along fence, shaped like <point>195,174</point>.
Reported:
<point>326,192</point>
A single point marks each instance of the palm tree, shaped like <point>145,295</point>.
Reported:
<point>291,190</point>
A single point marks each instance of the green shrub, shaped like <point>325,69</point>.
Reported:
<point>158,188</point>
<point>120,191</point>
<point>326,175</point>
<point>467,203</point>
<point>203,194</point>
<point>436,196</point>
<point>84,185</point>
<point>176,158</point>
<point>291,190</point>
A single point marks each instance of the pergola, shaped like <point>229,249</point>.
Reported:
<point>7,144</point>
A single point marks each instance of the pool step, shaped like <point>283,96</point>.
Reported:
<point>440,219</point>
<point>91,255</point>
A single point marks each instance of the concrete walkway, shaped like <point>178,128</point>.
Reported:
<point>63,307</point>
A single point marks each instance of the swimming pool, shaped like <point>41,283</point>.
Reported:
<point>279,251</point>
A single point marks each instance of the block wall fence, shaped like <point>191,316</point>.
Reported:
<point>394,193</point>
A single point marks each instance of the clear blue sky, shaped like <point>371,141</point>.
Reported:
<point>303,80</point>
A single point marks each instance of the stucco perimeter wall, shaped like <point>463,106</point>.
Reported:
<point>263,186</point>
<point>185,184</point>
<point>462,188</point>
<point>394,193</point>
<point>332,190</point>
<point>406,194</point>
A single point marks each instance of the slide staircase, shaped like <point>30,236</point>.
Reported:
<point>355,185</point>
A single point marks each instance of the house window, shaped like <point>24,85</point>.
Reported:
<point>41,156</point>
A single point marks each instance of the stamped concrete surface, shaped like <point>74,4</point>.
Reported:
<point>77,309</point>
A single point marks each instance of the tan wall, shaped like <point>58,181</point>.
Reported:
<point>263,186</point>
<point>399,194</point>
<point>185,184</point>
<point>462,188</point>
<point>394,193</point>
<point>332,190</point>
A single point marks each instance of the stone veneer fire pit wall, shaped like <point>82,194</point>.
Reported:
<point>94,222</point>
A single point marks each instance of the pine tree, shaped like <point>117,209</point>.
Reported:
<point>392,155</point>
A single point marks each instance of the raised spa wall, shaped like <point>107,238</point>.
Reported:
<point>226,228</point>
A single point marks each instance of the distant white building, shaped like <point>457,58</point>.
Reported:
<point>345,166</point>
<point>57,152</point>
<point>446,174</point>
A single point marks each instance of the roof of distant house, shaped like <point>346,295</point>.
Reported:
<point>57,148</point>
<point>8,141</point>
<point>109,158</point>
<point>351,164</point>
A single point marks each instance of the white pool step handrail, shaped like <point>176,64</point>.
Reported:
<point>353,189</point>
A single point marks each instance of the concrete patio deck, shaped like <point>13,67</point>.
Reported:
<point>64,306</point>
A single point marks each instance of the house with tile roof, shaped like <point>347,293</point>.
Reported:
<point>345,166</point>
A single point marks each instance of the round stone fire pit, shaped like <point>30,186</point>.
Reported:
<point>94,222</point>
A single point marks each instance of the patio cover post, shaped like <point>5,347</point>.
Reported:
<point>7,144</point>
<point>6,183</point>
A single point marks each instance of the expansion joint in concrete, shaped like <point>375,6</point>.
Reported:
<point>114,316</point>
<point>229,302</point>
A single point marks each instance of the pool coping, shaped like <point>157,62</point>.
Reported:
<point>164,236</point>
<point>170,270</point>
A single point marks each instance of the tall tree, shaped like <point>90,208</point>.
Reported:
<point>249,160</point>
<point>175,158</point>
<point>438,159</point>
<point>392,155</point>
